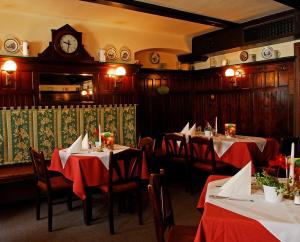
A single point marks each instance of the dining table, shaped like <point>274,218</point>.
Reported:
<point>228,219</point>
<point>87,169</point>
<point>239,150</point>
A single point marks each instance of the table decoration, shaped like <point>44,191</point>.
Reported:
<point>108,139</point>
<point>268,179</point>
<point>230,130</point>
<point>208,130</point>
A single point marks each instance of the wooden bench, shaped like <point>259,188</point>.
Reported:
<point>17,183</point>
<point>16,173</point>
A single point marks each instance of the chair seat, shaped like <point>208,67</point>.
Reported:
<point>181,233</point>
<point>120,187</point>
<point>58,183</point>
<point>207,167</point>
<point>178,160</point>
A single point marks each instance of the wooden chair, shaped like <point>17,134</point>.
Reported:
<point>124,176</point>
<point>147,144</point>
<point>202,158</point>
<point>177,152</point>
<point>49,186</point>
<point>163,213</point>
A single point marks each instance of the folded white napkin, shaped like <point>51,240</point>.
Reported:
<point>76,146</point>
<point>238,186</point>
<point>85,142</point>
<point>185,128</point>
<point>191,132</point>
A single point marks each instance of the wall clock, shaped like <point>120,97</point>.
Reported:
<point>66,44</point>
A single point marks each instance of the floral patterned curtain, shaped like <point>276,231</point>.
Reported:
<point>89,120</point>
<point>67,125</point>
<point>19,135</point>
<point>110,120</point>
<point>128,125</point>
<point>47,128</point>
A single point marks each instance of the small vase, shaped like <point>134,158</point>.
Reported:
<point>271,194</point>
<point>207,133</point>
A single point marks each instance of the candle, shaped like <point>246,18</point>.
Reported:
<point>286,168</point>
<point>292,164</point>
<point>216,125</point>
<point>99,127</point>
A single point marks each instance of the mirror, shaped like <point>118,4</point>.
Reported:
<point>62,88</point>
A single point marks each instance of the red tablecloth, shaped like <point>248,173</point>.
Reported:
<point>85,171</point>
<point>240,153</point>
<point>218,224</point>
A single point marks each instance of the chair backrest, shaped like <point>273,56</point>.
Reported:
<point>39,167</point>
<point>147,144</point>
<point>286,143</point>
<point>161,205</point>
<point>125,166</point>
<point>176,145</point>
<point>202,150</point>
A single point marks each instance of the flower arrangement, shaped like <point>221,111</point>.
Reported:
<point>269,177</point>
<point>107,138</point>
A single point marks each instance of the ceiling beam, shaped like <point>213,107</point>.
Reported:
<point>166,12</point>
<point>290,3</point>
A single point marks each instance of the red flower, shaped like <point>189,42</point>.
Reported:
<point>279,162</point>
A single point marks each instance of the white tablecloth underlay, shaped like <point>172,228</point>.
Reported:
<point>103,156</point>
<point>281,219</point>
<point>222,143</point>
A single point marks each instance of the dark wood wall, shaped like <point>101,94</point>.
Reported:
<point>260,104</point>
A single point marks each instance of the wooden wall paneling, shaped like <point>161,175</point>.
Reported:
<point>270,79</point>
<point>245,114</point>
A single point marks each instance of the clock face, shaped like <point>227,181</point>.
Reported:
<point>68,43</point>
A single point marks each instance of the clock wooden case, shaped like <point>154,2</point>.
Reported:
<point>66,44</point>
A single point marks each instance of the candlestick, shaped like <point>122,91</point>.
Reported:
<point>216,125</point>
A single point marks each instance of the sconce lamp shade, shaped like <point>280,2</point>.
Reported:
<point>120,71</point>
<point>229,72</point>
<point>9,66</point>
<point>111,72</point>
<point>84,93</point>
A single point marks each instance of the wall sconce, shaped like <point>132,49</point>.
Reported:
<point>9,67</point>
<point>117,75</point>
<point>233,75</point>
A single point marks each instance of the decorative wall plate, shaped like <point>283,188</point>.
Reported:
<point>267,52</point>
<point>11,45</point>
<point>125,54</point>
<point>111,53</point>
<point>244,56</point>
<point>154,58</point>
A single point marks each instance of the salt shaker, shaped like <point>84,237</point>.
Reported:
<point>297,197</point>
